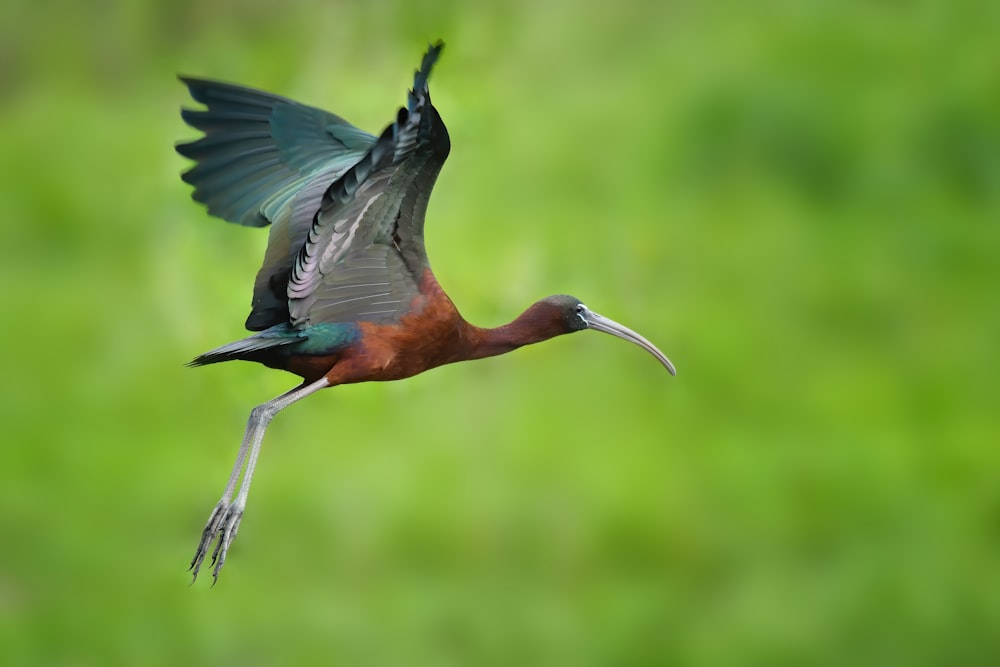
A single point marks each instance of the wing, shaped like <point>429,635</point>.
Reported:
<point>259,150</point>
<point>363,256</point>
<point>266,159</point>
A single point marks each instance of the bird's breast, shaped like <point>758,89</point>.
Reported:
<point>430,334</point>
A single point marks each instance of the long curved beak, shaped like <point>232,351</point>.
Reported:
<point>601,323</point>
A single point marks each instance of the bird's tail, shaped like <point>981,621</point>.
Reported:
<point>251,348</point>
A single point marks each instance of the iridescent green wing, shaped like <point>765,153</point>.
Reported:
<point>265,160</point>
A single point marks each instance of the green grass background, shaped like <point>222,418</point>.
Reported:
<point>797,200</point>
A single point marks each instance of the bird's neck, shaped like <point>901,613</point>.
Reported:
<point>529,327</point>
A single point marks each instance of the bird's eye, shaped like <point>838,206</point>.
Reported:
<point>580,309</point>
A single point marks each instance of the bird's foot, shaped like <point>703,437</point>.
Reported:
<point>221,529</point>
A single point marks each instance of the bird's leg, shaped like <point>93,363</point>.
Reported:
<point>225,518</point>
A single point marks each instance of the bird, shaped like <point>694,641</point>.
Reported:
<point>345,293</point>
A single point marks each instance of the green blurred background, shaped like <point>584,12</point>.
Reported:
<point>798,201</point>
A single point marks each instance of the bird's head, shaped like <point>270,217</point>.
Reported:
<point>566,314</point>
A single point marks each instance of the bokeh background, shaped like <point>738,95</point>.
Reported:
<point>797,200</point>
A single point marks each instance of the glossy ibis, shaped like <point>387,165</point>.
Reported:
<point>345,293</point>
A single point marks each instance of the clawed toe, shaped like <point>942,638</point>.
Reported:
<point>221,529</point>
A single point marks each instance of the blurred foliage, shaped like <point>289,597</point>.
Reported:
<point>797,200</point>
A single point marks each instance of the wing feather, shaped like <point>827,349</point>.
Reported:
<point>363,257</point>
<point>259,148</point>
<point>265,159</point>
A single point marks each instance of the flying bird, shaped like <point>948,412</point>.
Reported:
<point>345,293</point>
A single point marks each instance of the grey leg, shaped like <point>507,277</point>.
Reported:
<point>225,518</point>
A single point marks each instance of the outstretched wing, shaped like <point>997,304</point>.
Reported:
<point>266,159</point>
<point>363,256</point>
<point>260,149</point>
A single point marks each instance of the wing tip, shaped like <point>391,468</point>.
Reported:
<point>421,76</point>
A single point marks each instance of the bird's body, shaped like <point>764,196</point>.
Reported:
<point>345,293</point>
